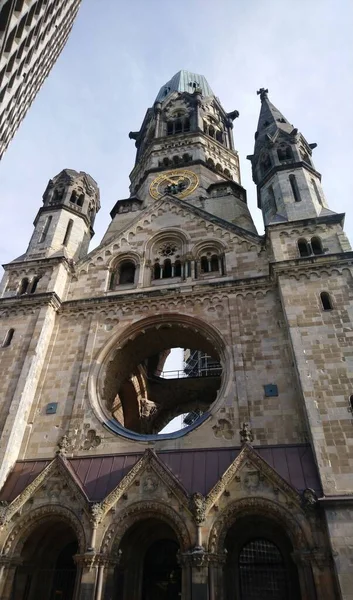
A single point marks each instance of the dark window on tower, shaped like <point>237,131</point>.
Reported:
<point>170,128</point>
<point>303,247</point>
<point>73,197</point>
<point>68,232</point>
<point>23,289</point>
<point>45,229</point>
<point>285,153</point>
<point>326,301</point>
<point>167,269</point>
<point>8,338</point>
<point>265,164</point>
<point>219,137</point>
<point>127,273</point>
<point>157,271</point>
<point>316,245</point>
<point>351,402</point>
<point>186,125</point>
<point>295,189</point>
<point>214,263</point>
<point>34,284</point>
<point>177,268</point>
<point>204,264</point>
<point>178,126</point>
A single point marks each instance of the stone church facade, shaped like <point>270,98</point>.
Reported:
<point>252,499</point>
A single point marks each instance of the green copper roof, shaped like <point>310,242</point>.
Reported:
<point>184,81</point>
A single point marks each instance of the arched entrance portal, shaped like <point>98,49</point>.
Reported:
<point>48,570</point>
<point>259,562</point>
<point>149,568</point>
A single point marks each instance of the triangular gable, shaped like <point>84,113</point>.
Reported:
<point>149,462</point>
<point>257,469</point>
<point>162,204</point>
<point>60,467</point>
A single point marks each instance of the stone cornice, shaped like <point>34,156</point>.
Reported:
<point>318,262</point>
<point>39,262</point>
<point>31,301</point>
<point>177,294</point>
<point>334,218</point>
<point>339,500</point>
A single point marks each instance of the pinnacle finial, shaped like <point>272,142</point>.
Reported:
<point>262,92</point>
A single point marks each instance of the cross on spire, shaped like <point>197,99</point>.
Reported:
<point>262,92</point>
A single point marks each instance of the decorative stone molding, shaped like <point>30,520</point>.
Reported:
<point>256,471</point>
<point>157,473</point>
<point>140,511</point>
<point>261,507</point>
<point>64,445</point>
<point>58,472</point>
<point>198,507</point>
<point>91,560</point>
<point>19,534</point>
<point>245,433</point>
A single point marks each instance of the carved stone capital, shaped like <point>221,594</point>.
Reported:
<point>197,557</point>
<point>97,514</point>
<point>92,560</point>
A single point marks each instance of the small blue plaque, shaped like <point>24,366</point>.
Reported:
<point>51,408</point>
<point>271,389</point>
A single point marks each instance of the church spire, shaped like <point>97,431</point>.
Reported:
<point>288,185</point>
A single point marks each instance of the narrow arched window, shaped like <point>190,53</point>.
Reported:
<point>266,164</point>
<point>316,190</point>
<point>8,338</point>
<point>284,153</point>
<point>178,126</point>
<point>68,232</point>
<point>219,167</point>
<point>186,157</point>
<point>262,570</point>
<point>127,273</point>
<point>326,301</point>
<point>177,268</point>
<point>204,264</point>
<point>186,125</point>
<point>303,247</point>
<point>166,162</point>
<point>219,137</point>
<point>210,163</point>
<point>23,289</point>
<point>176,160</point>
<point>80,200</point>
<point>167,268</point>
<point>170,128</point>
<point>316,245</point>
<point>214,263</point>
<point>45,229</point>
<point>205,127</point>
<point>211,131</point>
<point>33,285</point>
<point>295,189</point>
<point>73,197</point>
<point>157,271</point>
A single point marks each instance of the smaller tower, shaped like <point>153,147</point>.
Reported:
<point>64,224</point>
<point>288,185</point>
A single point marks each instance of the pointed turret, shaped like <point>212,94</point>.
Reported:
<point>288,185</point>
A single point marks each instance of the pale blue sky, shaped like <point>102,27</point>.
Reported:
<point>120,53</point>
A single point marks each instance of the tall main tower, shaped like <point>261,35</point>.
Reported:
<point>102,495</point>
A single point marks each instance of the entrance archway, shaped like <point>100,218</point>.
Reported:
<point>48,570</point>
<point>259,562</point>
<point>148,569</point>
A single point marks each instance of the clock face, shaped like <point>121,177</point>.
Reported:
<point>180,183</point>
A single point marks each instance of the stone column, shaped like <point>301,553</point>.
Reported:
<point>8,566</point>
<point>107,573</point>
<point>194,565</point>
<point>303,561</point>
<point>87,566</point>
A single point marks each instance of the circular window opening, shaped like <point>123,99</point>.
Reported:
<point>162,380</point>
